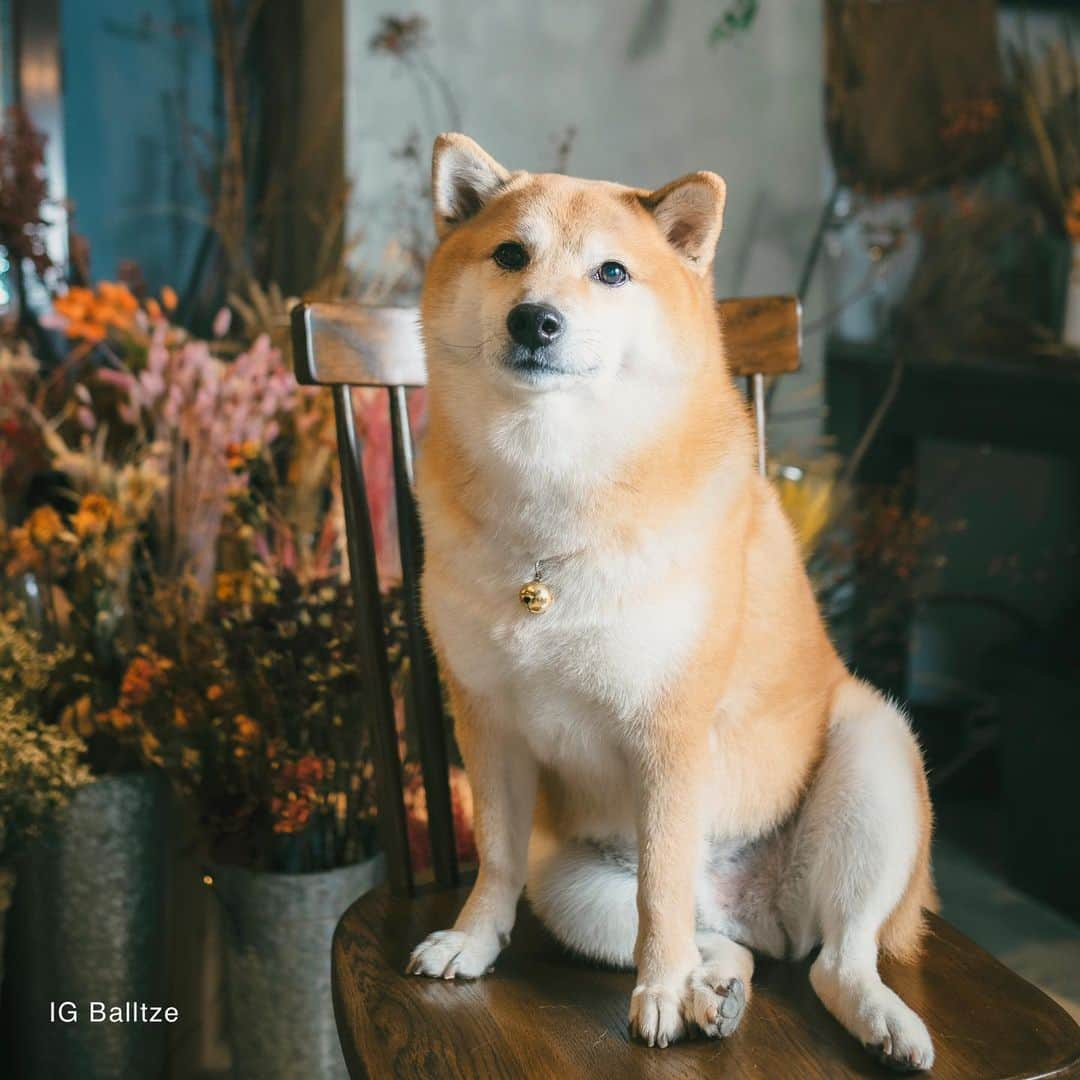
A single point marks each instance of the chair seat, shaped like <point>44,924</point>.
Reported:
<point>543,1012</point>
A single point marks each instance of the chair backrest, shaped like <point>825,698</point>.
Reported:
<point>344,345</point>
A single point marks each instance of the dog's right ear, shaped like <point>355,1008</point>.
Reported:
<point>463,178</point>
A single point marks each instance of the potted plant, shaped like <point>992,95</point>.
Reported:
<point>40,766</point>
<point>185,552</point>
<point>117,475</point>
<point>1046,107</point>
<point>79,501</point>
<point>251,699</point>
<point>241,682</point>
<point>256,713</point>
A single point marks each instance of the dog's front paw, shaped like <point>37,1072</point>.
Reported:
<point>656,1015</point>
<point>454,954</point>
<point>715,1001</point>
<point>900,1040</point>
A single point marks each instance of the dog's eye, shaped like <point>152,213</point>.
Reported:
<point>612,273</point>
<point>511,256</point>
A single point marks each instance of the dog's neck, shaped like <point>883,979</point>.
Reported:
<point>554,473</point>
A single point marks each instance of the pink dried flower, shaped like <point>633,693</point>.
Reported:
<point>222,322</point>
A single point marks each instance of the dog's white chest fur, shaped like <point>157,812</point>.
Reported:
<point>571,678</point>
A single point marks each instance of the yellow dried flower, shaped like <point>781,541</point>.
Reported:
<point>150,746</point>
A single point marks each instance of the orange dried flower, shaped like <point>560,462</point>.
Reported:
<point>246,729</point>
<point>291,814</point>
<point>1072,214</point>
<point>89,314</point>
<point>117,719</point>
<point>138,681</point>
<point>84,330</point>
<point>234,586</point>
<point>238,456</point>
<point>310,770</point>
<point>44,525</point>
<point>74,304</point>
<point>93,516</point>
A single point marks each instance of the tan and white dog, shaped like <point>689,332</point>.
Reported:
<point>672,756</point>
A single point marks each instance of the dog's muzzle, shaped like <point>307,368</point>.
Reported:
<point>534,331</point>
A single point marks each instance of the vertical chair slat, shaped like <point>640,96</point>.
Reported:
<point>371,642</point>
<point>755,384</point>
<point>430,718</point>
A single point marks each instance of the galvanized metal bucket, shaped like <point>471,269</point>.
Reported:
<point>7,888</point>
<point>88,925</point>
<point>278,932</point>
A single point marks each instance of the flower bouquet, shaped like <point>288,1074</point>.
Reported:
<point>40,766</point>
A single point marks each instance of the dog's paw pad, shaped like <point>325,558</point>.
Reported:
<point>452,954</point>
<point>655,1016</point>
<point>716,1003</point>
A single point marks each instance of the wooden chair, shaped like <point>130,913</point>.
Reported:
<point>544,1012</point>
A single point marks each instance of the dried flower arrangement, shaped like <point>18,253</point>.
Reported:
<point>40,765</point>
<point>185,562</point>
<point>866,546</point>
<point>1046,104</point>
<point>23,191</point>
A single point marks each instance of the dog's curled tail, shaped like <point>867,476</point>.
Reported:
<point>586,895</point>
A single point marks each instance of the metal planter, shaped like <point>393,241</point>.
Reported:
<point>278,930</point>
<point>88,925</point>
<point>7,888</point>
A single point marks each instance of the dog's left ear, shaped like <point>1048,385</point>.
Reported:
<point>690,213</point>
<point>464,177</point>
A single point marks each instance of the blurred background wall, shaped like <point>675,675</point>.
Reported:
<point>139,110</point>
<point>628,90</point>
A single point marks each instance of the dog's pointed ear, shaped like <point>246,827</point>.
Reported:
<point>463,178</point>
<point>690,213</point>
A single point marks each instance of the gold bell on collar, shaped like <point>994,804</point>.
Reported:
<point>535,596</point>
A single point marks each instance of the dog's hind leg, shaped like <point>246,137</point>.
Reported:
<point>718,989</point>
<point>586,895</point>
<point>862,862</point>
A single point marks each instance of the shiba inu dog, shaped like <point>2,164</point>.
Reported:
<point>663,745</point>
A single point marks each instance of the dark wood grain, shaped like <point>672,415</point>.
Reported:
<point>762,334</point>
<point>337,344</point>
<point>544,1013</point>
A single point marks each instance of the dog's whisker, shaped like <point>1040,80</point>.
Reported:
<point>475,347</point>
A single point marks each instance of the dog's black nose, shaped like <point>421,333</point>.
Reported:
<point>533,325</point>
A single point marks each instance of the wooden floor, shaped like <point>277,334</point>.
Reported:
<point>545,1013</point>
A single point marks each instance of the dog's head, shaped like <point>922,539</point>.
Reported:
<point>545,280</point>
<point>553,295</point>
